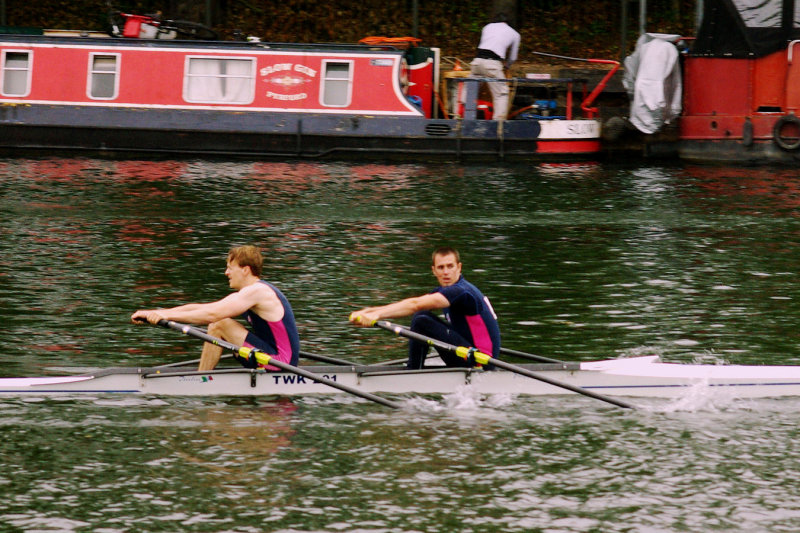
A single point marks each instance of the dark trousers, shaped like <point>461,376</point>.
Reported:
<point>428,324</point>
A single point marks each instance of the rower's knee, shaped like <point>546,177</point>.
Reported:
<point>228,329</point>
<point>219,328</point>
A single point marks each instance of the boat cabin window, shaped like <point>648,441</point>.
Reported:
<point>213,80</point>
<point>337,83</point>
<point>16,73</point>
<point>103,76</point>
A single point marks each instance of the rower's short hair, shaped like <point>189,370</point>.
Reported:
<point>249,256</point>
<point>445,250</point>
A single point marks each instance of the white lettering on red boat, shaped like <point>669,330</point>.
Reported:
<point>279,96</point>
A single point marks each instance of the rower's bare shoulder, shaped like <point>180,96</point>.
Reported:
<point>260,292</point>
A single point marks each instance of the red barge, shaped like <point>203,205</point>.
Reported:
<point>90,92</point>
<point>741,93</point>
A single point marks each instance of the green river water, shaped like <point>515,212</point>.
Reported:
<point>581,261</point>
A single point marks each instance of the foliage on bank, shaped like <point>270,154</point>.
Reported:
<point>570,28</point>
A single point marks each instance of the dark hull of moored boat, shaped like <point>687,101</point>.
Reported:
<point>233,133</point>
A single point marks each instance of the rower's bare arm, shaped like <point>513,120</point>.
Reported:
<point>232,305</point>
<point>366,317</point>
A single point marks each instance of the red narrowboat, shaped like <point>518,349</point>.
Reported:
<point>142,93</point>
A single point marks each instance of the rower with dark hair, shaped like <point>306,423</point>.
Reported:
<point>266,309</point>
<point>469,319</point>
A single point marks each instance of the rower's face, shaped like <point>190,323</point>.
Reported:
<point>446,269</point>
<point>236,274</point>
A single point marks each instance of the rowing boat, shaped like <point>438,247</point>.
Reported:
<point>644,376</point>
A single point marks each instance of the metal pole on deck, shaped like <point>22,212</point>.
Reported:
<point>698,18</point>
<point>642,16</point>
<point>623,45</point>
<point>415,18</point>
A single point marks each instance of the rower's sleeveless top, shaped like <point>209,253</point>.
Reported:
<point>278,339</point>
<point>472,316</point>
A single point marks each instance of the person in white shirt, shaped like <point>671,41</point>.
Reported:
<point>498,47</point>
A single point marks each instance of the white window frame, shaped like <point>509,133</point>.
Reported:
<point>326,80</point>
<point>29,68</point>
<point>91,73</point>
<point>250,76</point>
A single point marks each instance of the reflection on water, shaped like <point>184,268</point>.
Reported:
<point>581,261</point>
<point>332,464</point>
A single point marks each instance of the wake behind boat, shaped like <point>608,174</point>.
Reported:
<point>633,377</point>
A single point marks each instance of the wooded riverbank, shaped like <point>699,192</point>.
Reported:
<point>568,28</point>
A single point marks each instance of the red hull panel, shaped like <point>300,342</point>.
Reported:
<point>734,108</point>
<point>284,81</point>
<point>591,146</point>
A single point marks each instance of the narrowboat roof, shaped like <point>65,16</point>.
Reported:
<point>93,38</point>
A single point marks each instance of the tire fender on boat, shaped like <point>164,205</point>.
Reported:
<point>787,142</point>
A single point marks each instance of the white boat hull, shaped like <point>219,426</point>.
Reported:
<point>641,376</point>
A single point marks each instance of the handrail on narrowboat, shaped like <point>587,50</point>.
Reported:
<point>470,99</point>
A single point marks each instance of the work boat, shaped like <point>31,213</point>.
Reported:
<point>740,79</point>
<point>637,376</point>
<point>383,97</point>
<point>742,84</point>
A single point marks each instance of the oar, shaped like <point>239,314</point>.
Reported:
<point>482,358</point>
<point>326,359</point>
<point>187,363</point>
<point>507,351</point>
<point>530,356</point>
<point>265,359</point>
<point>307,355</point>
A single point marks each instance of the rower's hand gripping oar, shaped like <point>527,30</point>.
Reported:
<point>266,359</point>
<point>482,358</point>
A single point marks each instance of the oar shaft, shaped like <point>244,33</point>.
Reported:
<point>225,345</point>
<point>516,353</point>
<point>580,390</point>
<point>460,351</point>
<point>525,355</point>
<point>326,359</point>
<point>187,363</point>
<point>483,358</point>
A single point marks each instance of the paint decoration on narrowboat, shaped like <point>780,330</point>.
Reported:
<point>148,94</point>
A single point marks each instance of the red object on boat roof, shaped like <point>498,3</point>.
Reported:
<point>133,25</point>
<point>397,42</point>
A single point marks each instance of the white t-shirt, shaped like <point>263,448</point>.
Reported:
<point>500,38</point>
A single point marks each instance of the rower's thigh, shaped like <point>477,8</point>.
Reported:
<point>228,329</point>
